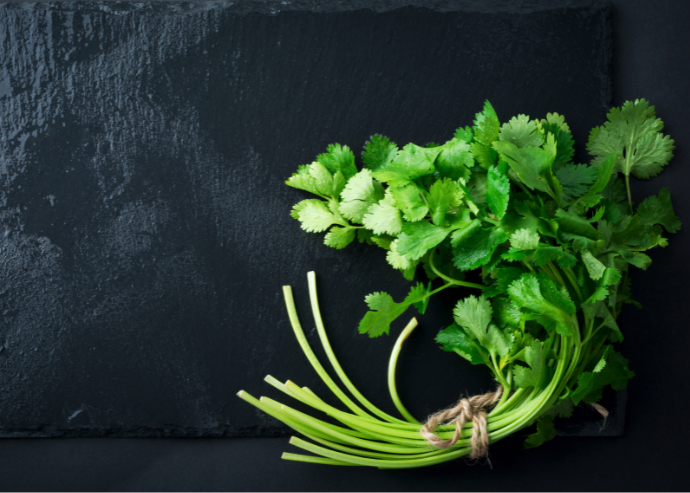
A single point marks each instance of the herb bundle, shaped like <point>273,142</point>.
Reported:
<point>549,242</point>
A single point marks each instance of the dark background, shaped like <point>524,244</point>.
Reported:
<point>145,219</point>
<point>650,56</point>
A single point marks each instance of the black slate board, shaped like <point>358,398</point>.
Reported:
<point>146,230</point>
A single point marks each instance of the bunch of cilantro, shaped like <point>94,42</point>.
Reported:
<point>548,245</point>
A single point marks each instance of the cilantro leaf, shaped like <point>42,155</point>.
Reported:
<point>555,124</point>
<point>444,195</point>
<point>453,338</point>
<point>534,375</point>
<point>455,159</point>
<point>315,216</point>
<point>524,239</point>
<point>384,217</point>
<point>400,262</point>
<point>486,128</point>
<point>634,133</point>
<point>522,132</point>
<point>360,193</point>
<point>317,179</point>
<point>532,165</point>
<point>551,308</point>
<point>339,237</point>
<point>339,158</point>
<point>477,249</point>
<point>464,231</point>
<point>379,152</point>
<point>383,310</point>
<point>474,315</point>
<point>545,432</point>
<point>418,238</point>
<point>614,372</point>
<point>410,201</point>
<point>576,179</point>
<point>497,192</point>
<point>594,267</point>
<point>414,161</point>
<point>658,210</point>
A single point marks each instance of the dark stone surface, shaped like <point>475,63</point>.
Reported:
<point>143,149</point>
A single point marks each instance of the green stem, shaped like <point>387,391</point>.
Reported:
<point>391,371</point>
<point>314,300</point>
<point>627,185</point>
<point>448,279</point>
<point>573,281</point>
<point>301,338</point>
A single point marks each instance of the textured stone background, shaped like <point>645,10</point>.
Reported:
<point>651,53</point>
<point>143,149</point>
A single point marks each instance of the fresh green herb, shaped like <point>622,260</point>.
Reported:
<point>548,243</point>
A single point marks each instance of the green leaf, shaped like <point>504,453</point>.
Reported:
<point>534,375</point>
<point>505,276</point>
<point>614,372</point>
<point>639,260</point>
<point>444,195</point>
<point>551,308</point>
<point>419,291</point>
<point>464,231</point>
<point>575,225</point>
<point>455,159</point>
<point>497,192</point>
<point>524,239</point>
<point>594,267</point>
<point>315,215</point>
<point>397,260</point>
<point>409,200</point>
<point>498,342</point>
<point>474,315</point>
<point>339,158</point>
<point>477,249</point>
<point>360,193</point>
<point>532,165</point>
<point>522,132</point>
<point>555,124</point>
<point>339,237</point>
<point>576,179</point>
<point>417,238</point>
<point>506,312</point>
<point>414,161</point>
<point>383,310</point>
<point>634,133</point>
<point>658,210</point>
<point>563,409</point>
<point>486,125</point>
<point>384,217</point>
<point>378,153</point>
<point>455,339</point>
<point>545,431</point>
<point>546,253</point>
<point>464,134</point>
<point>314,178</point>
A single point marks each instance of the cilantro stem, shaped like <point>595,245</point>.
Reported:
<point>301,338</point>
<point>627,186</point>
<point>314,300</point>
<point>449,279</point>
<point>391,371</point>
<point>573,280</point>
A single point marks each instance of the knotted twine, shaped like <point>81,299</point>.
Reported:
<point>466,410</point>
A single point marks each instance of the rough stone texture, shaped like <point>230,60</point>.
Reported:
<point>143,149</point>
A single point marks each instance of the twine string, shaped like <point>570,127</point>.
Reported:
<point>468,409</point>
